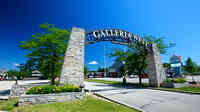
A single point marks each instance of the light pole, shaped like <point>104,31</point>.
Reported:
<point>104,61</point>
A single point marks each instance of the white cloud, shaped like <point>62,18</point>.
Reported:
<point>16,64</point>
<point>93,63</point>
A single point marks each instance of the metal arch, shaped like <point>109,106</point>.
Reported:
<point>114,35</point>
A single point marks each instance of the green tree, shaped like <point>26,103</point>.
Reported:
<point>13,73</point>
<point>190,66</point>
<point>100,69</point>
<point>47,49</point>
<point>166,65</point>
<point>136,61</point>
<point>23,71</point>
<point>86,70</point>
<point>161,44</point>
<point>135,57</point>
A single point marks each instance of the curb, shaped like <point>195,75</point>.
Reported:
<point>121,103</point>
<point>4,97</point>
<point>191,93</point>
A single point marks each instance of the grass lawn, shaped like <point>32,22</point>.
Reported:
<point>104,81</point>
<point>8,105</point>
<point>116,83</point>
<point>89,104</point>
<point>188,89</point>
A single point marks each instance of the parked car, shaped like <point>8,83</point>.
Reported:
<point>91,76</point>
<point>145,75</point>
<point>133,76</point>
<point>1,78</point>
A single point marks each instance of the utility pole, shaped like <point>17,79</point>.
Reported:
<point>104,61</point>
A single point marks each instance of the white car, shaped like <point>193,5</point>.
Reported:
<point>133,76</point>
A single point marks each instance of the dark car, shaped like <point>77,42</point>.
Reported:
<point>144,75</point>
<point>91,76</point>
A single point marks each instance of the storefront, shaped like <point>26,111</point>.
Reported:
<point>176,65</point>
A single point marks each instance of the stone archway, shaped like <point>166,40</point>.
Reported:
<point>73,67</point>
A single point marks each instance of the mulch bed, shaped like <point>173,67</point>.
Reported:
<point>195,85</point>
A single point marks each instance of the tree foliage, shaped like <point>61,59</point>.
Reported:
<point>100,69</point>
<point>160,43</point>
<point>24,70</point>
<point>190,66</point>
<point>46,49</point>
<point>13,73</point>
<point>166,65</point>
<point>86,70</point>
<point>135,57</point>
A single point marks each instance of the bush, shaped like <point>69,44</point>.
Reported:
<point>176,80</point>
<point>168,80</point>
<point>48,89</point>
<point>179,80</point>
<point>193,82</point>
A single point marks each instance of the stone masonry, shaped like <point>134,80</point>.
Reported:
<point>73,67</point>
<point>18,90</point>
<point>49,98</point>
<point>154,67</point>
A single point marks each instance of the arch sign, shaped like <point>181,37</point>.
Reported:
<point>115,35</point>
<point>73,66</point>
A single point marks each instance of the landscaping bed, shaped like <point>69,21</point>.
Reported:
<point>50,93</point>
<point>179,85</point>
<point>174,83</point>
<point>187,89</point>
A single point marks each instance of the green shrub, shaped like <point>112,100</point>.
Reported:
<point>47,89</point>
<point>176,80</point>
<point>168,80</point>
<point>179,80</point>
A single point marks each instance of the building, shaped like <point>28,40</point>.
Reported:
<point>176,65</point>
<point>36,73</point>
<point>114,70</point>
<point>95,75</point>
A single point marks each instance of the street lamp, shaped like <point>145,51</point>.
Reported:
<point>104,61</point>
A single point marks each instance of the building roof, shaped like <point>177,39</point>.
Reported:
<point>175,59</point>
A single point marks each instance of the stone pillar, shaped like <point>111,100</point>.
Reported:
<point>73,66</point>
<point>155,69</point>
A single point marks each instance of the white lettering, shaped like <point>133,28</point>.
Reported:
<point>129,35</point>
<point>116,33</point>
<point>111,32</point>
<point>95,35</point>
<point>106,31</point>
<point>102,33</point>
<point>125,35</point>
<point>121,33</point>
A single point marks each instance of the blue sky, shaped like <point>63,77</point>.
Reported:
<point>176,20</point>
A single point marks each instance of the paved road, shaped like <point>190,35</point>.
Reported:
<point>147,99</point>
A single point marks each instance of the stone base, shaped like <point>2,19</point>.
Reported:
<point>174,85</point>
<point>49,98</point>
<point>18,90</point>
